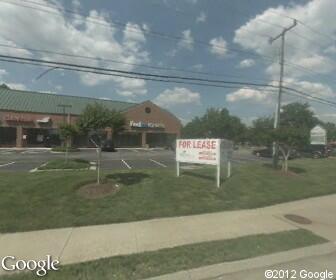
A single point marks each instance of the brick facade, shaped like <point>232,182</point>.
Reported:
<point>146,119</point>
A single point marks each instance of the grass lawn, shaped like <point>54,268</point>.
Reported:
<point>61,164</point>
<point>31,201</point>
<point>150,264</point>
<point>63,149</point>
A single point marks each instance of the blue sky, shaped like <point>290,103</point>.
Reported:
<point>236,33</point>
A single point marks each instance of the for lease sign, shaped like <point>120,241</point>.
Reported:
<point>204,151</point>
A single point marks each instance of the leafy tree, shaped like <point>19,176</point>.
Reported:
<point>259,133</point>
<point>289,139</point>
<point>216,123</point>
<point>94,120</point>
<point>67,132</point>
<point>331,131</point>
<point>298,115</point>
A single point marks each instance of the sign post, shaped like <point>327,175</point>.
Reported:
<point>218,176</point>
<point>178,169</point>
<point>204,151</point>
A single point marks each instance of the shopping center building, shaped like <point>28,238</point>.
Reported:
<point>32,119</point>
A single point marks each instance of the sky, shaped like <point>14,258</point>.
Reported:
<point>227,40</point>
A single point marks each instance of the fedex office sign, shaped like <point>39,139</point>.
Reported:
<point>203,151</point>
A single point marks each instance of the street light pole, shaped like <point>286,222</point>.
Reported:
<point>63,106</point>
<point>278,107</point>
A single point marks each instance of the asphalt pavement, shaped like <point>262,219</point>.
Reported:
<point>28,159</point>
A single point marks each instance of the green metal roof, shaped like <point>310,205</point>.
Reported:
<point>39,102</point>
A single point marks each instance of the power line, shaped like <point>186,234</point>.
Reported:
<point>312,29</point>
<point>53,63</point>
<point>151,33</point>
<point>128,76</point>
<point>136,30</point>
<point>166,79</point>
<point>100,59</point>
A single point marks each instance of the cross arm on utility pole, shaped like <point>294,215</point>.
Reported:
<point>271,40</point>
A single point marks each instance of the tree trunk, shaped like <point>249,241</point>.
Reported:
<point>66,150</point>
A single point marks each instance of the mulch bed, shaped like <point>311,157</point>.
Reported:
<point>298,219</point>
<point>95,191</point>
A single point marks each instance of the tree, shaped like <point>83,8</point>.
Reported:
<point>67,132</point>
<point>289,139</point>
<point>94,120</point>
<point>259,134</point>
<point>216,123</point>
<point>331,131</point>
<point>298,115</point>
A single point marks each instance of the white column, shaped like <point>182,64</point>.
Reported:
<point>218,175</point>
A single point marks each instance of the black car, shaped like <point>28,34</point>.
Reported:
<point>268,153</point>
<point>108,146</point>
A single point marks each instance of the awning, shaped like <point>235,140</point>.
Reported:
<point>44,120</point>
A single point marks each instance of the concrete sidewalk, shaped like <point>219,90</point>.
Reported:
<point>73,245</point>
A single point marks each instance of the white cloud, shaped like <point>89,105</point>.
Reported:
<point>187,41</point>
<point>250,95</point>
<point>3,73</point>
<point>311,53</point>
<point>312,88</point>
<point>218,47</point>
<point>78,36</point>
<point>17,86</point>
<point>59,88</point>
<point>201,18</point>
<point>177,96</point>
<point>198,67</point>
<point>246,63</point>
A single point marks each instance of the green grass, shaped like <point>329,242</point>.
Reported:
<point>63,149</point>
<point>150,264</point>
<point>31,201</point>
<point>62,164</point>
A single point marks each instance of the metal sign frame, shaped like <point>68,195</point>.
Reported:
<point>204,151</point>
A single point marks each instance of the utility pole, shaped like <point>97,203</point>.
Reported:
<point>278,108</point>
<point>63,106</point>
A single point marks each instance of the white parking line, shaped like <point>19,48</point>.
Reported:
<point>6,164</point>
<point>127,165</point>
<point>34,152</point>
<point>158,163</point>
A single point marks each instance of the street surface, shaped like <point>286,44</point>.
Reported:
<point>28,159</point>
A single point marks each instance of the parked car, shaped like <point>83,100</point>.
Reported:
<point>268,153</point>
<point>316,151</point>
<point>108,146</point>
<point>264,152</point>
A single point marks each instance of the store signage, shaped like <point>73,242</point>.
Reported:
<point>204,151</point>
<point>146,124</point>
<point>17,118</point>
<point>318,136</point>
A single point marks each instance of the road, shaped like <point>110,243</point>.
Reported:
<point>28,159</point>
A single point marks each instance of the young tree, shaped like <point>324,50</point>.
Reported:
<point>289,139</point>
<point>216,123</point>
<point>94,120</point>
<point>67,132</point>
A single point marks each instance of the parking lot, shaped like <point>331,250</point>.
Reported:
<point>28,159</point>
